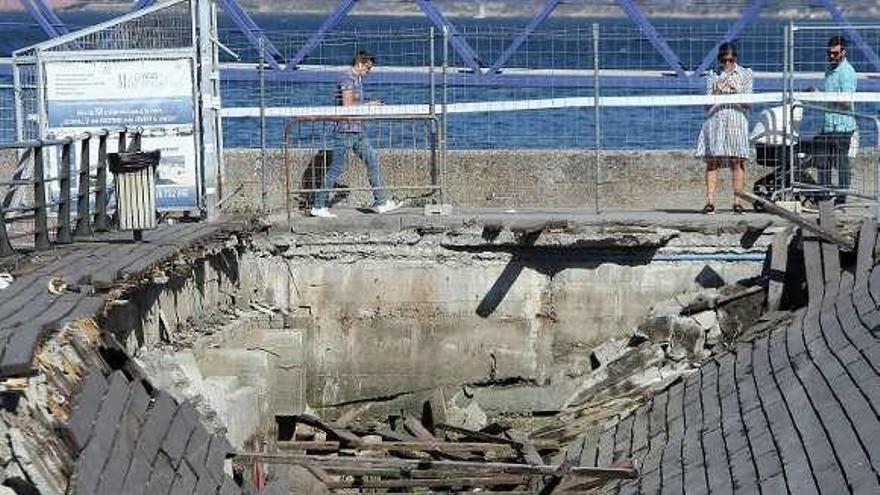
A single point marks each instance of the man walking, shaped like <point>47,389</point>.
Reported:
<point>837,133</point>
<point>349,135</point>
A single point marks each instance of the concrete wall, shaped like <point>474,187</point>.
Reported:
<point>637,180</point>
<point>398,315</point>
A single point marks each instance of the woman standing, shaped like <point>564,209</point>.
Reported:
<point>724,138</point>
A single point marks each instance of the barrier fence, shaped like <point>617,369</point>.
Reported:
<point>582,115</point>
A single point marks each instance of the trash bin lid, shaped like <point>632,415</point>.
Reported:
<point>133,161</point>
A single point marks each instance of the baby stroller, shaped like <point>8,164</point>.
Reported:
<point>772,150</point>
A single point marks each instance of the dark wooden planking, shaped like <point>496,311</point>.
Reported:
<point>865,256</point>
<point>692,448</point>
<point>830,251</point>
<point>671,462</point>
<point>217,452</point>
<point>852,327</point>
<point>778,266</point>
<point>782,422</point>
<point>813,437</point>
<point>178,434</point>
<point>815,275</point>
<point>85,411</point>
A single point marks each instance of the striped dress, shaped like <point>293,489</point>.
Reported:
<point>725,132</point>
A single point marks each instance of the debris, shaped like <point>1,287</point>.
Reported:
<point>56,286</point>
<point>5,280</point>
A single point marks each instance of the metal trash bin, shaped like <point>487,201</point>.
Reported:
<point>135,178</point>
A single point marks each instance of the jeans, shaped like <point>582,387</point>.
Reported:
<point>833,152</point>
<point>360,144</point>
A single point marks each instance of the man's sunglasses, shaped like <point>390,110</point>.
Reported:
<point>835,53</point>
<point>727,60</point>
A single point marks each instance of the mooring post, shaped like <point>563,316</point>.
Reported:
<point>63,230</point>
<point>41,223</point>
<point>83,206</point>
<point>102,223</point>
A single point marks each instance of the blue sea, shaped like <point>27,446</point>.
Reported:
<point>560,44</point>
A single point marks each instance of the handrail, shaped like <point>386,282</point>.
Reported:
<point>129,139</point>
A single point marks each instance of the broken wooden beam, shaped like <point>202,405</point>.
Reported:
<point>800,221</point>
<point>339,464</point>
<point>486,437</point>
<point>477,482</point>
<point>501,450</point>
<point>342,434</point>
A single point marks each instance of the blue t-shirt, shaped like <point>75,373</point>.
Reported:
<point>841,79</point>
<point>350,82</point>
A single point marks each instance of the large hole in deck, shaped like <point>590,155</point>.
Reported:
<point>506,327</point>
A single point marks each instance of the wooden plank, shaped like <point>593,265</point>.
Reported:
<point>339,464</point>
<point>865,257</point>
<point>347,437</point>
<point>830,252</point>
<point>815,275</point>
<point>472,482</point>
<point>798,220</point>
<point>417,429</point>
<point>778,265</point>
<point>418,446</point>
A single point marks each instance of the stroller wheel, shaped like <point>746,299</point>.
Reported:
<point>758,206</point>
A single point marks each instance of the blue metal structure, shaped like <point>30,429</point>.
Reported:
<point>45,17</point>
<point>53,27</point>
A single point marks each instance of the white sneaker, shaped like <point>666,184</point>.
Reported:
<point>321,213</point>
<point>388,206</point>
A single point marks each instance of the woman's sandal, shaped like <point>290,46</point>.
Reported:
<point>709,209</point>
<point>738,209</point>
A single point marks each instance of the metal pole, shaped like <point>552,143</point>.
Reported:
<point>789,99</point>
<point>41,223</point>
<point>63,231</point>
<point>445,122</point>
<point>435,176</point>
<point>101,222</point>
<point>597,115</point>
<point>877,173</point>
<point>262,125</point>
<point>83,198</point>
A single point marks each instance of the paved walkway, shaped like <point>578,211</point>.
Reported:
<point>29,311</point>
<point>792,410</point>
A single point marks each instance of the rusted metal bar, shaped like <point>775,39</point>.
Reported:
<point>63,232</point>
<point>83,198</point>
<point>102,223</point>
<point>41,222</point>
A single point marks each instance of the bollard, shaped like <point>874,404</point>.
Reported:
<point>41,223</point>
<point>102,223</point>
<point>83,213</point>
<point>63,232</point>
